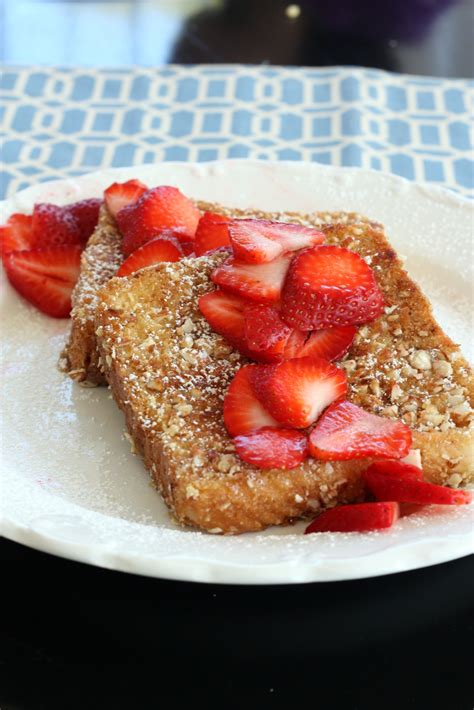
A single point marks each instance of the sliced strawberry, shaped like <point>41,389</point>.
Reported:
<point>187,247</point>
<point>121,194</point>
<point>329,343</point>
<point>257,241</point>
<point>153,252</point>
<point>45,277</point>
<point>86,212</point>
<point>360,517</point>
<point>329,286</point>
<point>397,468</point>
<point>295,392</point>
<point>243,413</point>
<point>53,226</point>
<point>295,344</point>
<point>211,233</point>
<point>406,489</point>
<point>259,282</point>
<point>16,234</point>
<point>345,431</point>
<point>225,314</point>
<point>156,210</point>
<point>265,330</point>
<point>273,448</point>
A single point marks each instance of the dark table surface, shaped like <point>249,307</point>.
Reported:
<point>400,641</point>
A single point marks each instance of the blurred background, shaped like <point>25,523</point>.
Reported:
<point>427,37</point>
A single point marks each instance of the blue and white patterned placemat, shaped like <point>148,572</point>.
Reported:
<point>63,122</point>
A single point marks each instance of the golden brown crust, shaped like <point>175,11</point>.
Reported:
<point>169,373</point>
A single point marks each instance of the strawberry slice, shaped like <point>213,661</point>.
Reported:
<point>345,431</point>
<point>273,448</point>
<point>329,286</point>
<point>265,331</point>
<point>406,489</point>
<point>45,277</point>
<point>360,517</point>
<point>225,314</point>
<point>329,343</point>
<point>397,468</point>
<point>258,282</point>
<point>295,392</point>
<point>257,241</point>
<point>211,233</point>
<point>156,210</point>
<point>53,226</point>
<point>16,234</point>
<point>153,252</point>
<point>86,212</point>
<point>243,413</point>
<point>121,194</point>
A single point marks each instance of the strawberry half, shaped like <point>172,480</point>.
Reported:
<point>258,282</point>
<point>329,286</point>
<point>257,241</point>
<point>121,194</point>
<point>295,392</point>
<point>345,431</point>
<point>156,210</point>
<point>273,448</point>
<point>243,413</point>
<point>397,468</point>
<point>53,226</point>
<point>86,212</point>
<point>360,517</point>
<point>211,233</point>
<point>329,343</point>
<point>45,277</point>
<point>225,314</point>
<point>16,234</point>
<point>265,332</point>
<point>406,489</point>
<point>153,252</point>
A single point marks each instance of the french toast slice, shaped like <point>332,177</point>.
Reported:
<point>100,261</point>
<point>169,373</point>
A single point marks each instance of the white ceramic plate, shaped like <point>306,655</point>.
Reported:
<point>71,485</point>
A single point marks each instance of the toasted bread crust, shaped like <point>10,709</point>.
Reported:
<point>169,373</point>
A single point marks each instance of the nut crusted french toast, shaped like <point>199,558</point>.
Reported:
<point>169,372</point>
<point>100,261</point>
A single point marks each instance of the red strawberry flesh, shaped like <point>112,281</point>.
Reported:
<point>264,329</point>
<point>409,490</point>
<point>258,282</point>
<point>345,431</point>
<point>397,468</point>
<point>329,286</point>
<point>53,226</point>
<point>86,212</point>
<point>156,210</point>
<point>211,233</point>
<point>45,277</point>
<point>295,392</point>
<point>16,234</point>
<point>272,448</point>
<point>121,194</point>
<point>329,343</point>
<point>243,413</point>
<point>153,252</point>
<point>259,241</point>
<point>360,517</point>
